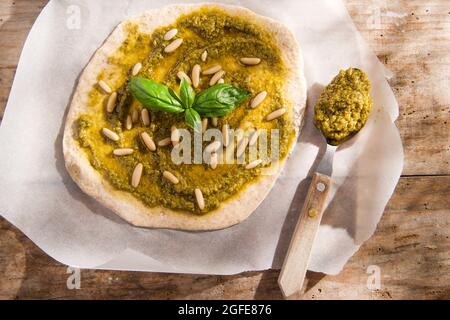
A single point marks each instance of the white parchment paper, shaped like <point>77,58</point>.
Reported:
<point>38,196</point>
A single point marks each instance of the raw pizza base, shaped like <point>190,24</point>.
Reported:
<point>126,205</point>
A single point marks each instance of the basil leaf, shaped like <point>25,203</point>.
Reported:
<point>175,96</point>
<point>154,95</point>
<point>193,119</point>
<point>219,100</point>
<point>187,94</point>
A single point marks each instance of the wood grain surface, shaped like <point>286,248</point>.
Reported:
<point>411,247</point>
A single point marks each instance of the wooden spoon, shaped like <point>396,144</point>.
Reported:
<point>298,255</point>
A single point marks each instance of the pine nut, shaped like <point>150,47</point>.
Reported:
<point>173,45</point>
<point>225,135</point>
<point>212,70</point>
<point>216,77</point>
<point>204,124</point>
<point>213,161</point>
<point>145,117</point>
<point>256,101</point>
<point>183,75</point>
<point>137,67</point>
<point>123,152</point>
<point>204,55</point>
<point>148,141</point>
<point>110,134</point>
<point>137,174</point>
<point>128,123</point>
<point>164,142</point>
<point>214,121</point>
<point>277,113</point>
<point>111,104</point>
<point>104,86</point>
<point>171,177</point>
<point>200,199</point>
<point>213,147</point>
<point>175,136</point>
<point>196,75</point>
<point>253,164</point>
<point>242,146</point>
<point>221,81</point>
<point>250,61</point>
<point>135,116</point>
<point>170,34</point>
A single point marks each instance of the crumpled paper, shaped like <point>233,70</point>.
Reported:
<point>38,196</point>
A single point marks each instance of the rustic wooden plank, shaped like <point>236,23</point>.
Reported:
<point>412,39</point>
<point>411,247</point>
<point>6,79</point>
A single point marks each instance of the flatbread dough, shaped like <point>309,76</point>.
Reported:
<point>125,204</point>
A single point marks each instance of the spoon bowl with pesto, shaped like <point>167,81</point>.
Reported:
<point>340,113</point>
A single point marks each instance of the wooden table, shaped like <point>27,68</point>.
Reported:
<point>411,246</point>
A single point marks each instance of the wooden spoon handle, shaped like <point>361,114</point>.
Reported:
<point>297,258</point>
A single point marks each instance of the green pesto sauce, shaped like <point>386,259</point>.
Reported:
<point>226,39</point>
<point>343,106</point>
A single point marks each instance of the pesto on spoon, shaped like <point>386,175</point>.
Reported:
<point>343,106</point>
